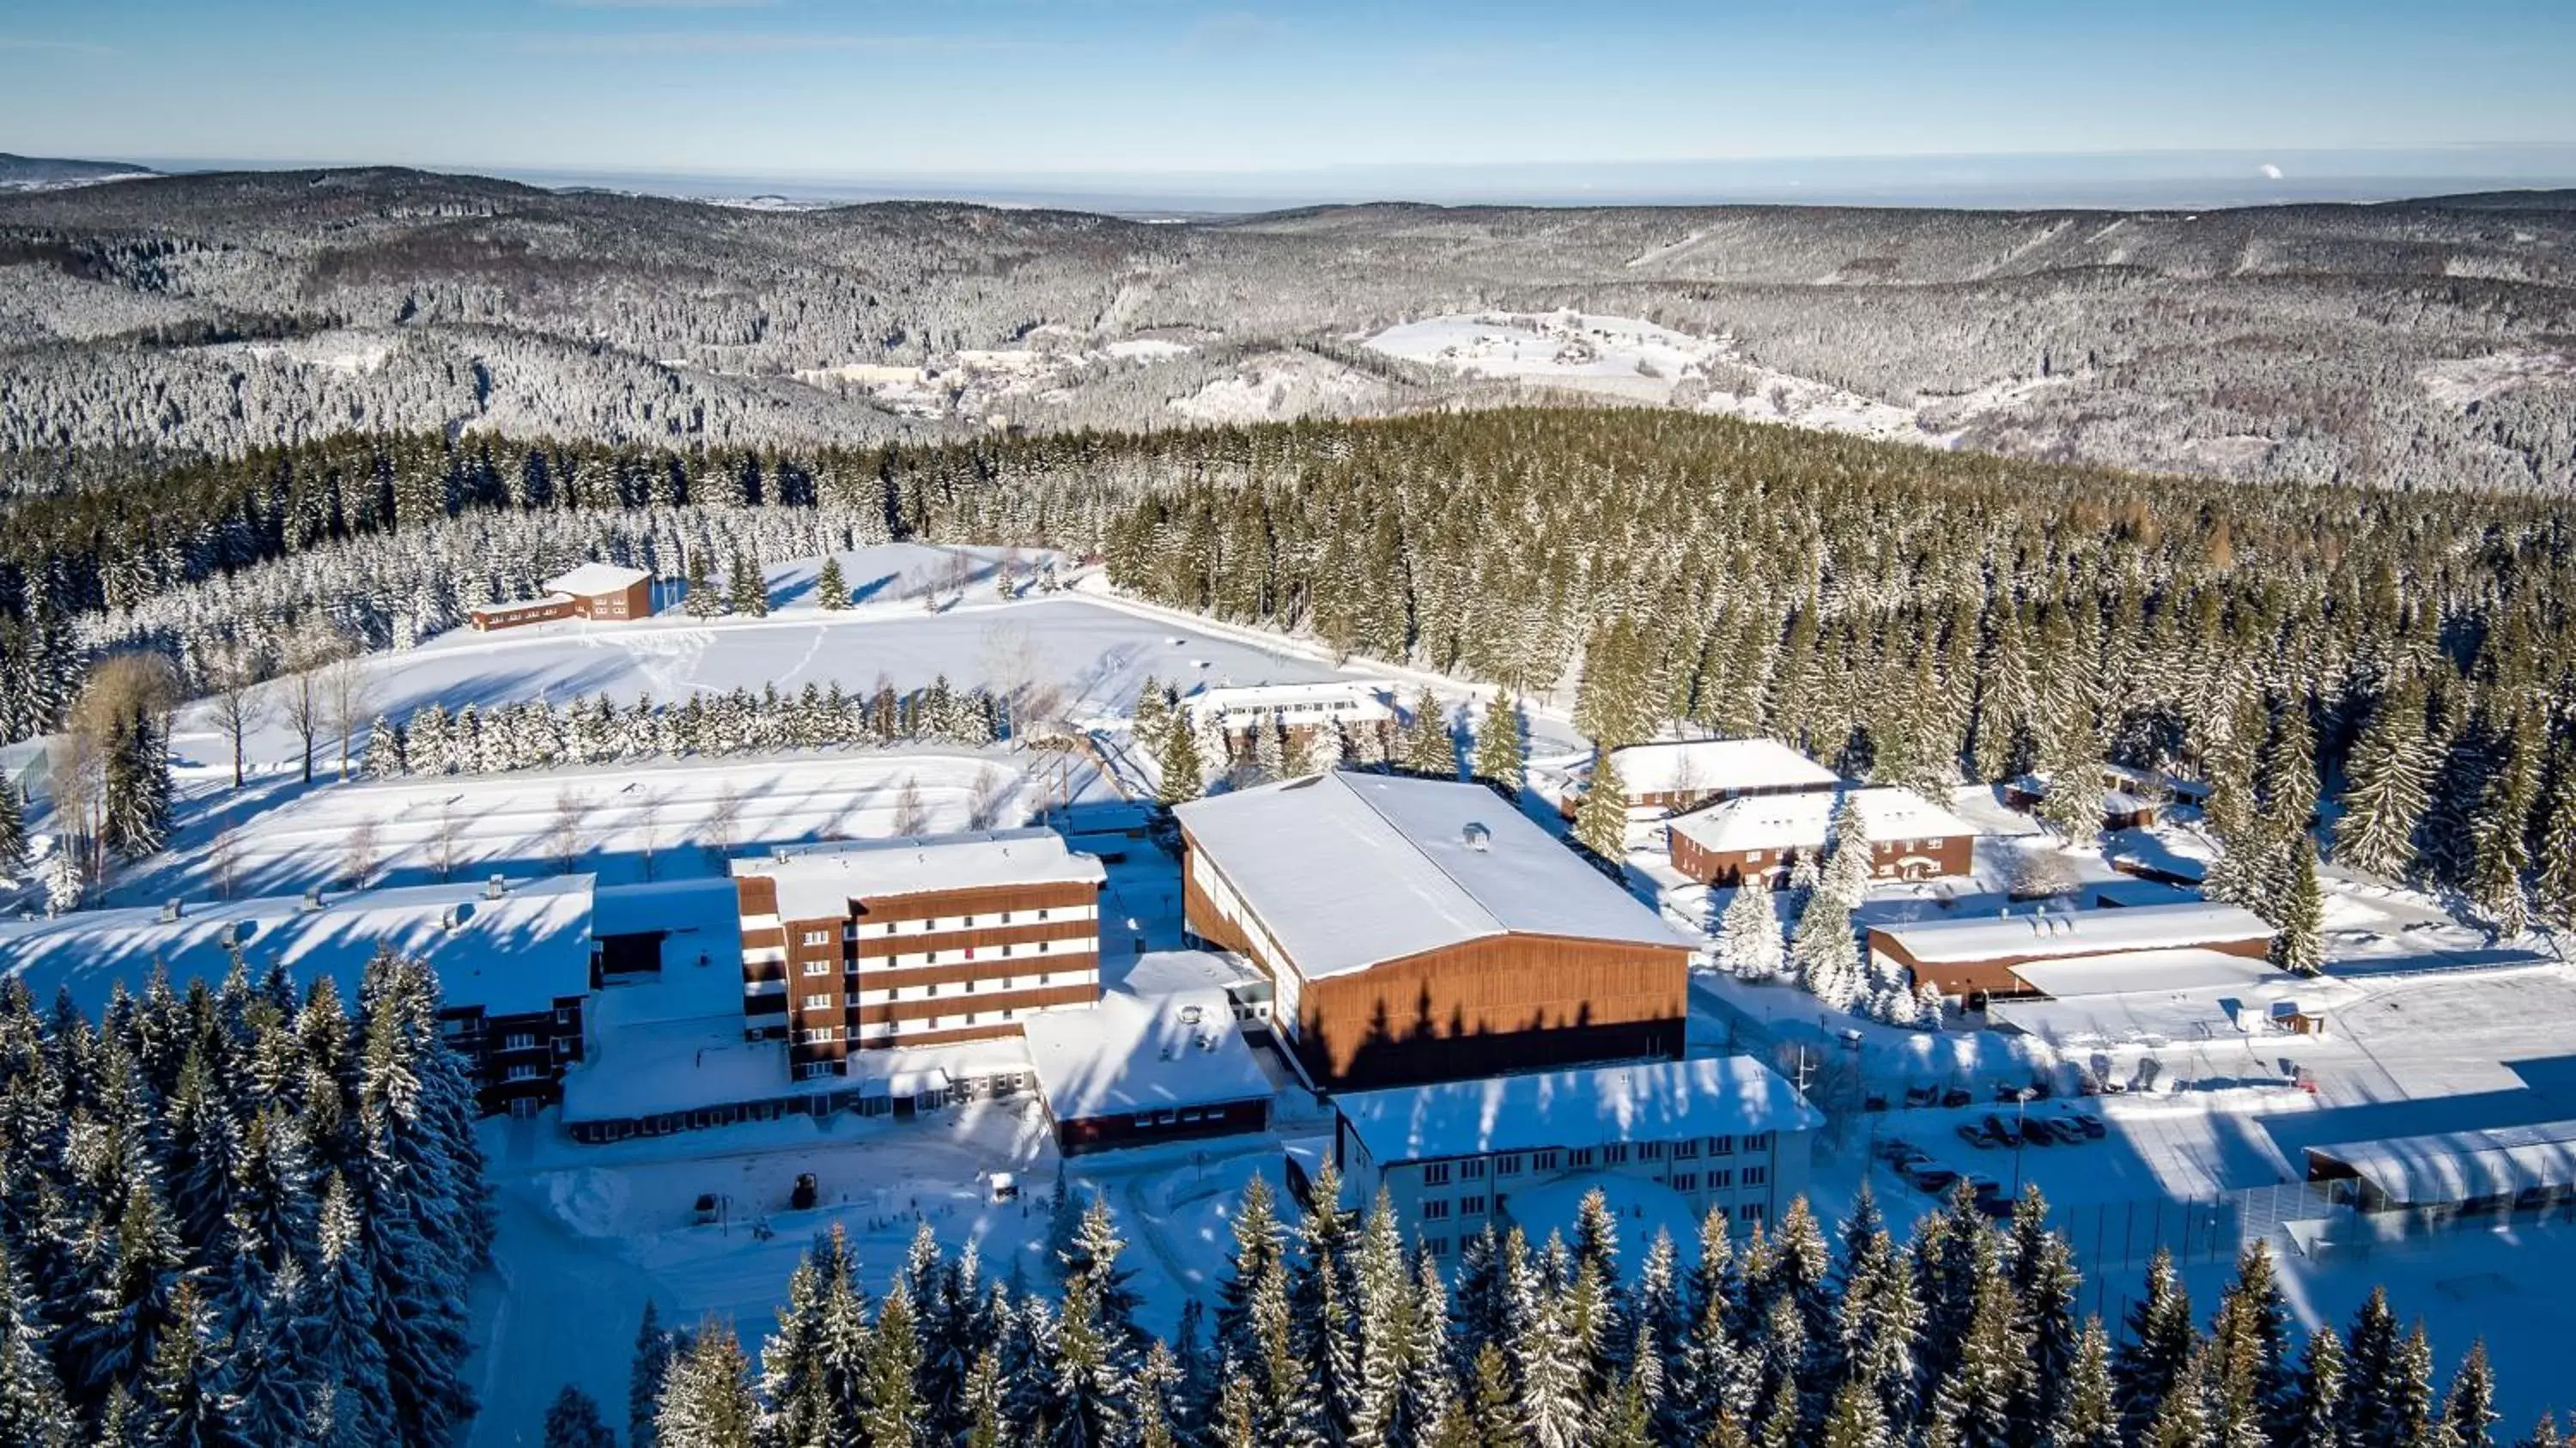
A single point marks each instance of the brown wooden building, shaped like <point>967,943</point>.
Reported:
<point>914,942</point>
<point>1976,957</point>
<point>1419,930</point>
<point>1763,838</point>
<point>601,591</point>
<point>1139,1069</point>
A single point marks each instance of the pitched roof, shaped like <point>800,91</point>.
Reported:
<point>1347,870</point>
<point>1648,1101</point>
<point>596,578</point>
<point>1716,766</point>
<point>508,955</point>
<point>1805,821</point>
<point>816,881</point>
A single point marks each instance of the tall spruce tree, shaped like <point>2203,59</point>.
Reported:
<point>1500,760</point>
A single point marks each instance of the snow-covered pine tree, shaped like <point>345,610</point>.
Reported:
<point>1849,863</point>
<point>1501,762</point>
<point>1429,748</point>
<point>2298,911</point>
<point>1601,818</point>
<point>701,599</point>
<point>1825,955</point>
<point>831,589</point>
<point>1183,775</point>
<point>65,885</point>
<point>706,1401</point>
<point>33,1410</point>
<point>1749,941</point>
<point>1549,1369</point>
<point>2154,1358</point>
<point>13,832</point>
<point>2387,785</point>
<point>2502,833</point>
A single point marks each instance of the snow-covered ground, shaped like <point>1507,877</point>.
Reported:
<point>1641,361</point>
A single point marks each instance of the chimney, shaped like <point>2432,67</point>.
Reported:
<point>498,886</point>
<point>453,918</point>
<point>170,910</point>
<point>1476,837</point>
<point>312,900</point>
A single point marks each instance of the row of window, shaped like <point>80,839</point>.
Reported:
<point>822,1001</point>
<point>1513,1163</point>
<point>1438,1246</point>
<point>1070,945</point>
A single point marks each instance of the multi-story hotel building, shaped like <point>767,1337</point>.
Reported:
<point>914,942</point>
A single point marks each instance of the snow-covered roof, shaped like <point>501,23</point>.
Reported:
<point>1803,821</point>
<point>517,953</point>
<point>1717,766</point>
<point>1143,1053</point>
<point>1346,870</point>
<point>1598,1106</point>
<point>2176,969</point>
<point>1338,698</point>
<point>647,1068</point>
<point>596,578</point>
<point>2460,1165</point>
<point>2061,933</point>
<point>816,881</point>
<point>1173,972</point>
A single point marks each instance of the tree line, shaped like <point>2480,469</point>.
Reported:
<point>1331,1330</point>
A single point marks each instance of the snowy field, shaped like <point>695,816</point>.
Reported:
<point>1641,361</point>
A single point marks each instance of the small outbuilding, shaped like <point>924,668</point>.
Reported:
<point>1681,774</point>
<point>1762,837</point>
<point>600,591</point>
<point>2133,947</point>
<point>1135,1070</point>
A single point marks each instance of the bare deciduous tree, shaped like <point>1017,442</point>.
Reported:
<point>444,838</point>
<point>911,816</point>
<point>306,700</point>
<point>232,675</point>
<point>358,854</point>
<point>348,698</point>
<point>994,790</point>
<point>223,862</point>
<point>572,810</point>
<point>648,828</point>
<point>724,818</point>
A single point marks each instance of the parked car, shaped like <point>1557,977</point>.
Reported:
<point>2070,1129</point>
<point>1982,1187</point>
<point>2002,1131</point>
<point>1957,1096</point>
<point>1976,1135</point>
<point>1930,1178</point>
<point>2090,1125</point>
<point>2035,1132</point>
<point>1919,1096</point>
<point>1895,1149</point>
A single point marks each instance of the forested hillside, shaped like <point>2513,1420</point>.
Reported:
<point>1905,615</point>
<point>2427,343</point>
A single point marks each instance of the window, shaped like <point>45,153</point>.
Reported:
<point>818,967</point>
<point>1686,1181</point>
<point>1755,1176</point>
<point>1686,1150</point>
<point>821,1035</point>
<point>519,1041</point>
<point>1436,1210</point>
<point>523,1073</point>
<point>1650,1151</point>
<point>1508,1164</point>
<point>1542,1161</point>
<point>563,1015</point>
<point>1579,1158</point>
<point>1436,1246</point>
<point>1471,1206</point>
<point>1721,1146</point>
<point>818,1002</point>
<point>1472,1171</point>
<point>1720,1180</point>
<point>808,1070</point>
<point>1041,914</point>
<point>1615,1155</point>
<point>816,937</point>
<point>1750,1211</point>
<point>1761,1142</point>
<point>1436,1174</point>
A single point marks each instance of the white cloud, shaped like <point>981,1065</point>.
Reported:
<point>2271,172</point>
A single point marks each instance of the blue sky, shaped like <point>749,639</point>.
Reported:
<point>1088,87</point>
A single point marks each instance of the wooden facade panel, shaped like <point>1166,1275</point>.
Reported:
<point>987,937</point>
<point>979,1003</point>
<point>1506,1002</point>
<point>1892,860</point>
<point>756,894</point>
<point>983,900</point>
<point>1102,1133</point>
<point>880,977</point>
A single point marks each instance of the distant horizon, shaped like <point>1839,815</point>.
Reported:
<point>2015,181</point>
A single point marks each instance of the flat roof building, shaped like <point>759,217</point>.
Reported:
<point>1983,955</point>
<point>514,960</point>
<point>1762,837</point>
<point>1138,1069</point>
<point>1720,1132</point>
<point>914,942</point>
<point>1420,929</point>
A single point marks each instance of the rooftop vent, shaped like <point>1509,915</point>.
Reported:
<point>496,887</point>
<point>453,918</point>
<point>312,899</point>
<point>1476,837</point>
<point>170,910</point>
